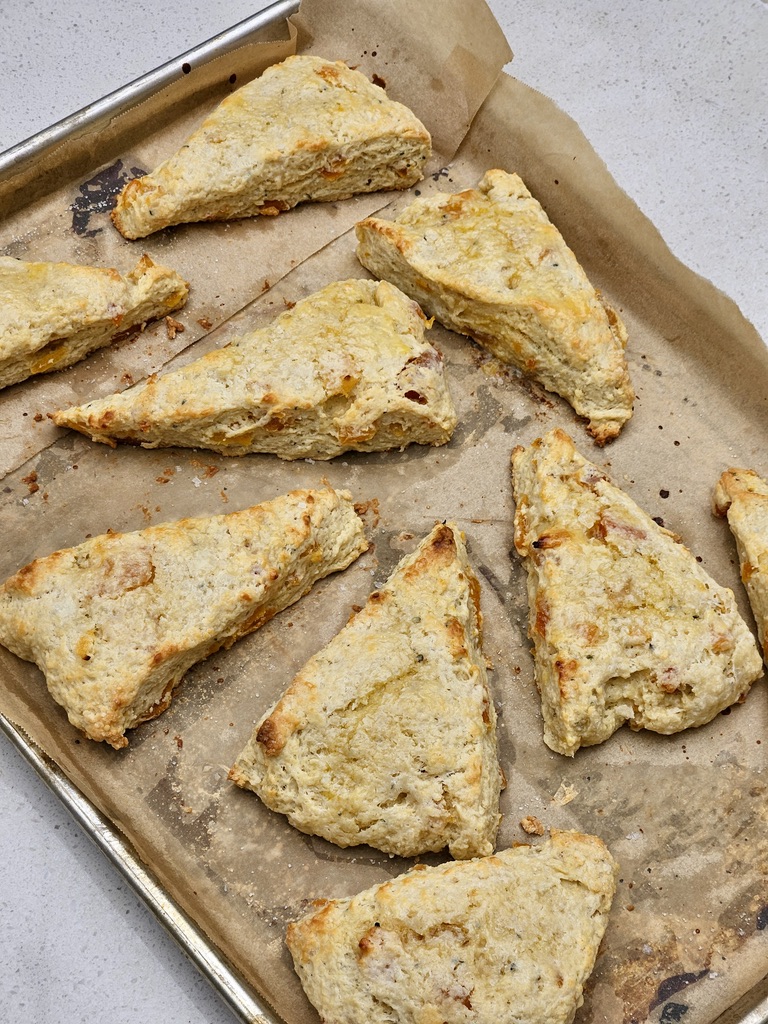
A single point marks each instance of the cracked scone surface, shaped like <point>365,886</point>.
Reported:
<point>487,262</point>
<point>388,735</point>
<point>742,497</point>
<point>511,937</point>
<point>346,369</point>
<point>307,129</point>
<point>54,314</point>
<point>116,622</point>
<point>626,625</point>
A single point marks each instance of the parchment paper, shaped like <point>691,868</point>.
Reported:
<point>228,264</point>
<point>685,815</point>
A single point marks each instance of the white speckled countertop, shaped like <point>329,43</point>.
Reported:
<point>671,94</point>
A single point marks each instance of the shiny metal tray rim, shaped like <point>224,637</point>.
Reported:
<point>234,991</point>
<point>90,117</point>
<point>210,962</point>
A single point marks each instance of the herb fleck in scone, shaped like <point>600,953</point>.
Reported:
<point>54,314</point>
<point>388,735</point>
<point>307,129</point>
<point>742,496</point>
<point>116,622</point>
<point>488,263</point>
<point>626,625</point>
<point>511,937</point>
<point>347,369</point>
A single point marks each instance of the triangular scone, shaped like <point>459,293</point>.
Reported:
<point>488,263</point>
<point>347,369</point>
<point>307,129</point>
<point>742,496</point>
<point>116,622</point>
<point>507,938</point>
<point>626,625</point>
<point>54,314</point>
<point>388,735</point>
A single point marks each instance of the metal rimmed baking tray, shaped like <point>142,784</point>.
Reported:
<point>485,525</point>
<point>209,961</point>
<point>17,162</point>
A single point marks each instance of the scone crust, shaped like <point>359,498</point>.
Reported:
<point>54,314</point>
<point>346,369</point>
<point>626,625</point>
<point>487,262</point>
<point>388,735</point>
<point>509,937</point>
<point>115,622</point>
<point>307,129</point>
<point>742,497</point>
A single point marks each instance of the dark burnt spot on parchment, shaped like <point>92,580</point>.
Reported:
<point>641,992</point>
<point>673,1012</point>
<point>761,922</point>
<point>676,983</point>
<point>98,195</point>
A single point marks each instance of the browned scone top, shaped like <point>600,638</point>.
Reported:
<point>307,129</point>
<point>510,937</point>
<point>54,314</point>
<point>348,368</point>
<point>115,622</point>
<point>626,624</point>
<point>487,262</point>
<point>742,497</point>
<point>388,735</point>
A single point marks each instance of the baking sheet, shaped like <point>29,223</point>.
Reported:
<point>242,872</point>
<point>113,844</point>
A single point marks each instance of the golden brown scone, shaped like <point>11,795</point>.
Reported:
<point>488,263</point>
<point>54,314</point>
<point>507,938</point>
<point>388,735</point>
<point>347,369</point>
<point>308,129</point>
<point>626,625</point>
<point>742,496</point>
<point>116,622</point>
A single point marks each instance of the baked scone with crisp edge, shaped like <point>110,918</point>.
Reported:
<point>346,369</point>
<point>388,735</point>
<point>115,622</point>
<point>626,625</point>
<point>511,937</point>
<point>487,262</point>
<point>54,314</point>
<point>307,129</point>
<point>742,497</point>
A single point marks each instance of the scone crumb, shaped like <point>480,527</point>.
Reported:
<point>531,824</point>
<point>31,481</point>
<point>565,793</point>
<point>173,327</point>
<point>205,323</point>
<point>364,507</point>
